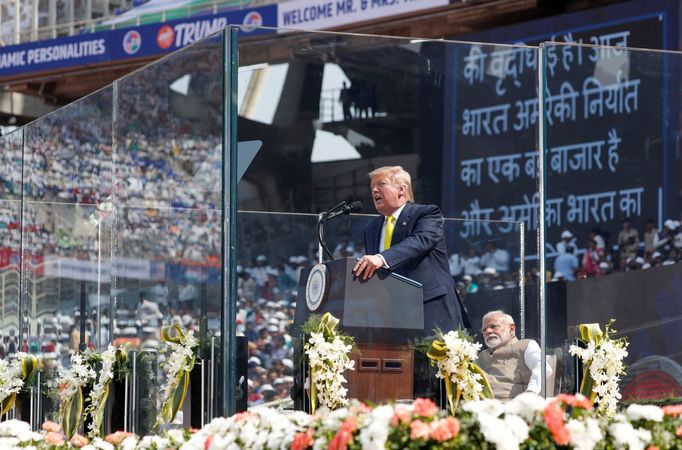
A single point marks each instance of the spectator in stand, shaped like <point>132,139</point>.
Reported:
<point>598,236</point>
<point>470,284</point>
<point>592,259</point>
<point>650,237</point>
<point>604,268</point>
<point>456,265</point>
<point>496,258</point>
<point>472,263</point>
<point>666,238</point>
<point>673,257</point>
<point>567,241</point>
<point>567,264</point>
<point>634,263</point>
<point>655,259</point>
<point>678,235</point>
<point>628,242</point>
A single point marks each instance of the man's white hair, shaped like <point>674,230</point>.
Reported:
<point>509,320</point>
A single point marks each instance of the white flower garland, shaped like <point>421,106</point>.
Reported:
<point>106,374</point>
<point>457,365</point>
<point>10,378</point>
<point>606,364</point>
<point>328,360</point>
<point>181,358</point>
<point>78,375</point>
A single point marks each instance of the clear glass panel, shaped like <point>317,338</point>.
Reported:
<point>612,117</point>
<point>167,210</point>
<point>65,248</point>
<point>276,252</point>
<point>10,232</point>
<point>332,107</point>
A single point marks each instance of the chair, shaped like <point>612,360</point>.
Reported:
<point>551,362</point>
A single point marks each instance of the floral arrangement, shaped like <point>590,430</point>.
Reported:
<point>602,360</point>
<point>326,352</point>
<point>13,375</point>
<point>526,422</point>
<point>182,348</point>
<point>70,384</point>
<point>112,360</point>
<point>454,354</point>
<point>88,370</point>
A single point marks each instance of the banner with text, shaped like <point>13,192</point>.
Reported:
<point>127,43</point>
<point>325,14</point>
<point>605,127</point>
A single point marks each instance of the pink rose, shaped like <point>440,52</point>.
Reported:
<point>445,429</point>
<point>117,437</point>
<point>672,410</point>
<point>54,438</point>
<point>425,407</point>
<point>401,415</point>
<point>419,430</point>
<point>242,416</point>
<point>554,419</point>
<point>78,441</point>
<point>303,440</point>
<point>208,442</point>
<point>52,426</point>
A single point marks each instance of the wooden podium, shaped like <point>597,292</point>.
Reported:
<point>385,314</point>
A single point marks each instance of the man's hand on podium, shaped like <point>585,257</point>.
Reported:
<point>367,266</point>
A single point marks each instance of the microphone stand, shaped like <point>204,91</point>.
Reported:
<point>320,231</point>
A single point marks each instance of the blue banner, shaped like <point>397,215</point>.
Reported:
<point>127,43</point>
<point>55,53</point>
<point>159,38</point>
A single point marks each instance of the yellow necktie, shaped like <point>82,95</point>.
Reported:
<point>388,235</point>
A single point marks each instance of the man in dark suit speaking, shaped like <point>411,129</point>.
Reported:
<point>409,239</point>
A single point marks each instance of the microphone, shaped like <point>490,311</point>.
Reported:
<point>338,210</point>
<point>344,209</point>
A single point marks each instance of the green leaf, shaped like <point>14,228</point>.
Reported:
<point>73,410</point>
<point>174,403</point>
<point>98,412</point>
<point>7,404</point>
<point>587,383</point>
<point>28,365</point>
<point>487,389</point>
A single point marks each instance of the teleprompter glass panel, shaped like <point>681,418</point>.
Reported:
<point>65,253</point>
<point>612,206</point>
<point>10,233</point>
<point>276,254</point>
<point>168,161</point>
<point>459,117</point>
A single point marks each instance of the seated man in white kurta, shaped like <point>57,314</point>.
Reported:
<point>512,365</point>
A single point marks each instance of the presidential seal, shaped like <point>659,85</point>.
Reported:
<point>316,287</point>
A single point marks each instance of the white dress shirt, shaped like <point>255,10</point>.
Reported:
<point>532,358</point>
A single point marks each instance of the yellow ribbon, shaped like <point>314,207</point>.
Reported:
<point>328,325</point>
<point>175,334</point>
<point>172,333</point>
<point>589,333</point>
<point>439,352</point>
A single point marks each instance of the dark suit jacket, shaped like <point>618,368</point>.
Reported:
<point>418,251</point>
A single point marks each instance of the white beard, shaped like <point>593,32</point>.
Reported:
<point>493,341</point>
